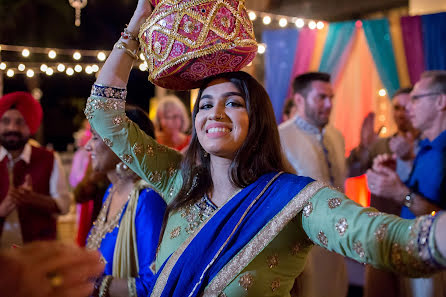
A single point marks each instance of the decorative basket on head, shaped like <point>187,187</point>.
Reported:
<point>186,41</point>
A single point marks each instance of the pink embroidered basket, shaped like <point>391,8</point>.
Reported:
<point>185,41</point>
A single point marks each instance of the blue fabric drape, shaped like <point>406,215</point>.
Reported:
<point>379,40</point>
<point>434,39</point>
<point>279,58</point>
<point>338,37</point>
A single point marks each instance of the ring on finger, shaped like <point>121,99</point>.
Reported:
<point>55,279</point>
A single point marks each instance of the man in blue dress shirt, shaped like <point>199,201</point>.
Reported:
<point>425,190</point>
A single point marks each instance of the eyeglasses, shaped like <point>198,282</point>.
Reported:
<point>416,97</point>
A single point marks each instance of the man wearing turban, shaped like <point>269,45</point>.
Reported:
<point>33,187</point>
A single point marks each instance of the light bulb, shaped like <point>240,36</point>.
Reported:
<point>78,68</point>
<point>10,73</point>
<point>312,25</point>
<point>283,22</point>
<point>382,92</point>
<point>267,20</point>
<point>300,23</point>
<point>77,56</point>
<point>30,73</point>
<point>320,25</point>
<point>49,71</point>
<point>70,71</point>
<point>102,56</point>
<point>261,49</point>
<point>252,15</point>
<point>43,67</point>
<point>25,53</point>
<point>61,67</point>
<point>2,66</point>
<point>52,54</point>
<point>21,67</point>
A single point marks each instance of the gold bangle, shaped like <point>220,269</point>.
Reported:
<point>105,286</point>
<point>122,45</point>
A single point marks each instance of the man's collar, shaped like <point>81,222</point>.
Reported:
<point>440,141</point>
<point>25,155</point>
<point>307,127</point>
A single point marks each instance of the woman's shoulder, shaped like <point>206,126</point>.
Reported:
<point>148,198</point>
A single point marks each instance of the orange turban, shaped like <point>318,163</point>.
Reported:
<point>27,105</point>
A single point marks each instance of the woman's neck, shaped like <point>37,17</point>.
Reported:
<point>223,188</point>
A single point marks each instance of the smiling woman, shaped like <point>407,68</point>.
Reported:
<point>236,224</point>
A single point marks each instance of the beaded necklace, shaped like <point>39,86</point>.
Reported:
<point>101,227</point>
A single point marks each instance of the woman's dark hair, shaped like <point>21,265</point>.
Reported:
<point>137,115</point>
<point>259,154</point>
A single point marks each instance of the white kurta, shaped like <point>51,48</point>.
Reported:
<point>325,273</point>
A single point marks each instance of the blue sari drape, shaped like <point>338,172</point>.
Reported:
<point>226,233</point>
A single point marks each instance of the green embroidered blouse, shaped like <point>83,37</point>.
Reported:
<point>276,256</point>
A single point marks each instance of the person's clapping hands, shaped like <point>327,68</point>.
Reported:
<point>383,180</point>
<point>402,146</point>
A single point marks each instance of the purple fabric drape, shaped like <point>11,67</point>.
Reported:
<point>413,46</point>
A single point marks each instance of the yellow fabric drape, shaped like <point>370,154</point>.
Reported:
<point>321,36</point>
<point>398,48</point>
<point>125,257</point>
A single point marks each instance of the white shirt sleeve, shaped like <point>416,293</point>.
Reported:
<point>59,186</point>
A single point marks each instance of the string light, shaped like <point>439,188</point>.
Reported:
<point>21,67</point>
<point>252,15</point>
<point>101,56</point>
<point>382,93</point>
<point>25,52</point>
<point>300,23</point>
<point>320,25</point>
<point>95,68</point>
<point>78,68</point>
<point>70,71</point>
<point>2,66</point>
<point>30,73</point>
<point>261,48</point>
<point>77,56</point>
<point>141,57</point>
<point>52,54</point>
<point>49,71</point>
<point>267,20</point>
<point>10,73</point>
<point>312,25</point>
<point>43,67</point>
<point>283,22</point>
<point>88,69</point>
<point>61,67</point>
<point>143,66</point>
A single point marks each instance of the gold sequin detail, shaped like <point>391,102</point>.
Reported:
<point>137,149</point>
<point>118,120</point>
<point>373,214</point>
<point>102,104</point>
<point>150,152</point>
<point>196,214</point>
<point>108,142</point>
<point>341,226</point>
<point>127,158</point>
<point>246,281</point>
<point>155,176</point>
<point>308,209</point>
<point>334,202</point>
<point>273,261</point>
<point>295,249</point>
<point>157,46</point>
<point>357,246</point>
<point>275,284</point>
<point>175,232</point>
<point>322,238</point>
<point>381,232</point>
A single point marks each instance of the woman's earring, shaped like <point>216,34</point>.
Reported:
<point>122,170</point>
<point>205,154</point>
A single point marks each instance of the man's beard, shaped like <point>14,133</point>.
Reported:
<point>13,145</point>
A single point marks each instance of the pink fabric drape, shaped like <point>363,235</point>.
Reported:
<point>413,46</point>
<point>304,53</point>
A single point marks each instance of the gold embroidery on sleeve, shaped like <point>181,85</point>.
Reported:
<point>275,284</point>
<point>334,202</point>
<point>341,226</point>
<point>322,238</point>
<point>308,209</point>
<point>273,261</point>
<point>381,232</point>
<point>246,281</point>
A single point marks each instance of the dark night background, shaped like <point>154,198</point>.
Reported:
<point>50,23</point>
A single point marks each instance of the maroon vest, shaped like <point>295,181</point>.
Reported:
<point>36,224</point>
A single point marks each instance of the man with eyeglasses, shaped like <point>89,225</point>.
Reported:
<point>424,191</point>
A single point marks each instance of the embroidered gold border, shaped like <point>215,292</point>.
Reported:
<point>162,279</point>
<point>164,275</point>
<point>261,240</point>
